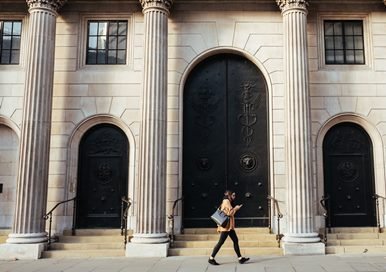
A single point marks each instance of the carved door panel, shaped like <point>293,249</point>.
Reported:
<point>349,181</point>
<point>225,143</point>
<point>103,170</point>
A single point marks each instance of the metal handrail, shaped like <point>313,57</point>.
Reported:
<point>126,201</point>
<point>376,197</point>
<point>326,217</point>
<point>49,216</point>
<point>171,218</point>
<point>279,216</point>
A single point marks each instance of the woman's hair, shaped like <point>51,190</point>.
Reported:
<point>228,194</point>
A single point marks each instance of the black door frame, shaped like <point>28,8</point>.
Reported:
<point>267,121</point>
<point>103,173</point>
<point>348,151</point>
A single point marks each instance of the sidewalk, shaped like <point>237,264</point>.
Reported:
<point>329,263</point>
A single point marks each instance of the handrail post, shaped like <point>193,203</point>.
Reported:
<point>326,217</point>
<point>49,231</point>
<point>49,216</point>
<point>279,216</point>
<point>269,216</point>
<point>124,214</point>
<point>376,198</point>
<point>73,218</point>
<point>171,218</point>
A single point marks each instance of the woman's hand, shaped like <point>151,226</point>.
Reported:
<point>238,207</point>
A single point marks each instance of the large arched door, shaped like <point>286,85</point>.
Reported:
<point>225,142</point>
<point>102,178</point>
<point>348,176</point>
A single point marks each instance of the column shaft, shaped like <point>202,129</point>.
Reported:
<point>151,203</point>
<point>300,221</point>
<point>32,181</point>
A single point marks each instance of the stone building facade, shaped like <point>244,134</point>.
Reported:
<point>160,99</point>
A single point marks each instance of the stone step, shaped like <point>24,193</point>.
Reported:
<point>356,242</point>
<point>355,249</point>
<point>90,239</point>
<point>238,230</point>
<point>225,251</point>
<point>352,230</point>
<point>350,236</point>
<point>214,237</point>
<point>96,232</point>
<point>60,254</point>
<point>228,243</point>
<point>86,246</point>
<point>4,235</point>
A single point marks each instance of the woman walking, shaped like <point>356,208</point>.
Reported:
<point>228,207</point>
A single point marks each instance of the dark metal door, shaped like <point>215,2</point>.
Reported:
<point>225,142</point>
<point>348,176</point>
<point>103,171</point>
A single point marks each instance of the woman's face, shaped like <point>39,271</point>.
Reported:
<point>233,196</point>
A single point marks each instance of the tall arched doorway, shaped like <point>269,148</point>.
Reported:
<point>9,151</point>
<point>102,177</point>
<point>225,140</point>
<point>349,176</point>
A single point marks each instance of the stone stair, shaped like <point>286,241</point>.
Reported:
<point>88,243</point>
<point>355,240</point>
<point>200,242</point>
<point>4,235</point>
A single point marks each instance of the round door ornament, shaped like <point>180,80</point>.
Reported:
<point>204,163</point>
<point>248,162</point>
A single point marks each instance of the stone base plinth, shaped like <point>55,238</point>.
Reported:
<point>304,249</point>
<point>21,251</point>
<point>147,250</point>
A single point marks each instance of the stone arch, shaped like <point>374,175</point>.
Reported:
<point>9,150</point>
<point>73,152</point>
<point>378,154</point>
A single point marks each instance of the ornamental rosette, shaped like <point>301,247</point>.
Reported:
<point>285,5</point>
<point>54,5</point>
<point>164,5</point>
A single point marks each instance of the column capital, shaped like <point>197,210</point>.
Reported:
<point>286,5</point>
<point>163,5</point>
<point>52,5</point>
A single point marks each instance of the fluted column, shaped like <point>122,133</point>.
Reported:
<point>150,237</point>
<point>300,217</point>
<point>32,180</point>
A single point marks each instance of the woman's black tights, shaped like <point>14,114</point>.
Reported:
<point>223,237</point>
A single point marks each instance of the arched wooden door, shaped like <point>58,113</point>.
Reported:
<point>102,177</point>
<point>225,140</point>
<point>348,176</point>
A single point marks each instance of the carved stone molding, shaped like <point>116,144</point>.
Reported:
<point>53,5</point>
<point>285,5</point>
<point>164,5</point>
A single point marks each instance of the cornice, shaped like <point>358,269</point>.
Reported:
<point>164,5</point>
<point>53,5</point>
<point>286,5</point>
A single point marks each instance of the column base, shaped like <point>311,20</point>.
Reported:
<point>27,238</point>
<point>21,251</point>
<point>147,250</point>
<point>304,248</point>
<point>148,245</point>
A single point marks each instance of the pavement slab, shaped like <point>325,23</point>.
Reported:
<point>326,263</point>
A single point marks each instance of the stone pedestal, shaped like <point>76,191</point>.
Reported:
<point>150,238</point>
<point>21,251</point>
<point>28,232</point>
<point>300,216</point>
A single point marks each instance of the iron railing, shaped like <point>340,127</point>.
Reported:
<point>279,216</point>
<point>171,220</point>
<point>327,220</point>
<point>376,198</point>
<point>125,205</point>
<point>48,216</point>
